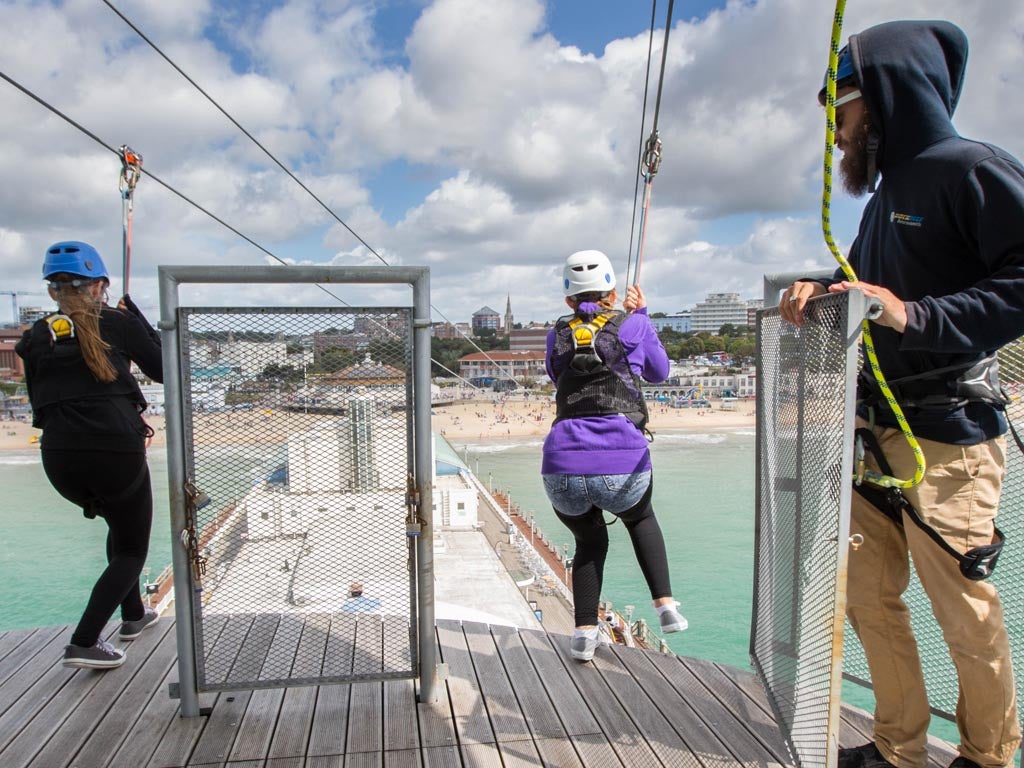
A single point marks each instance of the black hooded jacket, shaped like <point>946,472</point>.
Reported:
<point>945,229</point>
<point>74,409</point>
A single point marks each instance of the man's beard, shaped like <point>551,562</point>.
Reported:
<point>854,166</point>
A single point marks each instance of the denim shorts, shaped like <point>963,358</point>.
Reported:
<point>574,495</point>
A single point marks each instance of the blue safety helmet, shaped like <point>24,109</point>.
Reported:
<point>844,73</point>
<point>74,258</point>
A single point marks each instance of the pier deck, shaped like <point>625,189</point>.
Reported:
<point>512,698</point>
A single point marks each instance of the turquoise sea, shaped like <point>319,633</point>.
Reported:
<point>703,497</point>
<point>704,501</point>
<point>50,554</point>
<point>704,489</point>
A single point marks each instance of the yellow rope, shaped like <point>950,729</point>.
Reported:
<point>876,478</point>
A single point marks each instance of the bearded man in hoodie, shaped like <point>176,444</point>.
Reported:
<point>941,246</point>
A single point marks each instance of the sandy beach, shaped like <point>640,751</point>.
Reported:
<point>479,419</point>
<point>519,417</point>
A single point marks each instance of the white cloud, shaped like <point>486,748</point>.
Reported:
<point>533,143</point>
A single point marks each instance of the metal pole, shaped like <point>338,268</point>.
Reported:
<point>184,619</point>
<point>424,480</point>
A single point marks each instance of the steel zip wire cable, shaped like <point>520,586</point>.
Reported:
<point>640,144</point>
<point>284,168</point>
<point>652,155</point>
<point>877,478</point>
<point>184,197</point>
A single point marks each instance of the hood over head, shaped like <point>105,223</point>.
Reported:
<point>911,74</point>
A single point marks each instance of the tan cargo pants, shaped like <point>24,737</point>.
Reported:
<point>959,497</point>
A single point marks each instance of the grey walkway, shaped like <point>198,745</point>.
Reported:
<point>512,698</point>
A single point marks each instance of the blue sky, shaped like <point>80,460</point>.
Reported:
<point>486,140</point>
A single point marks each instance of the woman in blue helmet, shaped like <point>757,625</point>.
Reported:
<point>596,458</point>
<point>89,407</point>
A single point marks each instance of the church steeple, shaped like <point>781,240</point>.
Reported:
<point>508,315</point>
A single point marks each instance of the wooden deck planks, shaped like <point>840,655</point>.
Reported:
<point>31,686</point>
<point>120,714</point>
<point>464,693</point>
<point>506,718</point>
<point>37,721</point>
<point>621,731</point>
<point>512,698</point>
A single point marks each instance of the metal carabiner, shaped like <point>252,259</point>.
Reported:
<point>652,154</point>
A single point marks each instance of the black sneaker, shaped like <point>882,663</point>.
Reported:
<point>963,762</point>
<point>864,756</point>
<point>100,656</point>
<point>132,629</point>
<point>672,620</point>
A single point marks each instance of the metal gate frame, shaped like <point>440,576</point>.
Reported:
<point>813,739</point>
<point>170,278</point>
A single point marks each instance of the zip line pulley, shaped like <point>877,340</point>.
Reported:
<point>650,161</point>
<point>131,172</point>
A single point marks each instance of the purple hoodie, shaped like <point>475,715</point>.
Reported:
<point>607,445</point>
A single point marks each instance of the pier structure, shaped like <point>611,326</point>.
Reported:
<point>311,682</point>
<point>510,697</point>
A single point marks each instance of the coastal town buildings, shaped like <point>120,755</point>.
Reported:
<point>681,322</point>
<point>497,364</point>
<point>486,318</point>
<point>11,366</point>
<point>719,309</point>
<point>532,338</point>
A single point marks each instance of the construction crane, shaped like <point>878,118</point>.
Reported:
<point>14,302</point>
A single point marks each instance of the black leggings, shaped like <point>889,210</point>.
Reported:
<point>116,487</point>
<point>591,534</point>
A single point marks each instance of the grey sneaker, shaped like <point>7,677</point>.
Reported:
<point>672,620</point>
<point>100,656</point>
<point>583,646</point>
<point>132,629</point>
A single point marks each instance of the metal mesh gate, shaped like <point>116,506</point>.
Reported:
<point>940,675</point>
<point>298,433</point>
<point>805,402</point>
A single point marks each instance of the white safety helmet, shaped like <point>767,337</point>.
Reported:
<point>588,272</point>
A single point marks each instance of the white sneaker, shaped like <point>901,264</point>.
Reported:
<point>584,643</point>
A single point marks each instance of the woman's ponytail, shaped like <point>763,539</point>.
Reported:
<point>84,311</point>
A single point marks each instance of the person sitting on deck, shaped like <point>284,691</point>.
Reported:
<point>596,458</point>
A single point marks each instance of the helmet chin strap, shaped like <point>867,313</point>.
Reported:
<point>873,143</point>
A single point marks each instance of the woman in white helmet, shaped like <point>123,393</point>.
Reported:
<point>596,457</point>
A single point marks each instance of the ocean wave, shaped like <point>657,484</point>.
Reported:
<point>696,438</point>
<point>19,458</point>
<point>495,447</point>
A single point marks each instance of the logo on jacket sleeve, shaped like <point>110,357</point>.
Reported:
<point>906,219</point>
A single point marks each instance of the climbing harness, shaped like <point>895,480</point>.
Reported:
<point>650,161</point>
<point>131,171</point>
<point>976,564</point>
<point>585,358</point>
<point>879,479</point>
<point>62,327</point>
<point>590,385</point>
